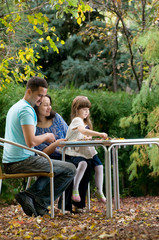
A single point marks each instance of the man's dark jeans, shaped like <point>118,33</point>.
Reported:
<point>64,173</point>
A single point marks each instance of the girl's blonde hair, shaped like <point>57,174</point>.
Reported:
<point>78,103</point>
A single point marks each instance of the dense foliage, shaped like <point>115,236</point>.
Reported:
<point>85,44</point>
<point>145,114</point>
<point>22,27</point>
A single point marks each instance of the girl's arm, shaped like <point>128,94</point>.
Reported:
<point>51,148</point>
<point>89,132</point>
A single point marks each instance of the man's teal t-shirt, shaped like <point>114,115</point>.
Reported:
<point>21,113</point>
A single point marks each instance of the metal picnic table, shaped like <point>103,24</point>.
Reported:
<point>108,146</point>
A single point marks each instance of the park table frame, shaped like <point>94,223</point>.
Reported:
<point>110,155</point>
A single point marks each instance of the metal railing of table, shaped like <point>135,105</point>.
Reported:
<point>109,145</point>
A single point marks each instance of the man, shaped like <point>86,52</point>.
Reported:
<point>20,128</point>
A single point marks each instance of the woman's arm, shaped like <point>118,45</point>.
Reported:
<point>51,148</point>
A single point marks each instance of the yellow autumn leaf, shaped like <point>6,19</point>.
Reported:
<point>30,49</point>
<point>48,38</point>
<point>44,230</point>
<point>41,39</point>
<point>2,45</point>
<point>38,67</point>
<point>26,236</point>
<point>38,219</point>
<point>62,42</point>
<point>28,57</point>
<point>53,29</point>
<point>8,81</point>
<point>79,7</point>
<point>60,236</point>
<point>93,225</point>
<point>54,225</point>
<point>35,21</point>
<point>46,29</point>
<point>105,235</point>
<point>36,226</point>
<point>79,20</point>
<point>64,230</point>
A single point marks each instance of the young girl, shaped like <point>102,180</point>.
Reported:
<point>81,128</point>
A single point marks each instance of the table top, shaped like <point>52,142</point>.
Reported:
<point>111,142</point>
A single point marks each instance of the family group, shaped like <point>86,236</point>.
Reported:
<point>33,123</point>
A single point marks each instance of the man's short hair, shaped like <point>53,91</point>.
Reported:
<point>35,82</point>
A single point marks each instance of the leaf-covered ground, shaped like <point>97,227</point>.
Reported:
<point>137,219</point>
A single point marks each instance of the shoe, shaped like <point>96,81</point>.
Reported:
<point>75,210</point>
<point>101,197</point>
<point>26,203</point>
<point>76,196</point>
<point>41,211</point>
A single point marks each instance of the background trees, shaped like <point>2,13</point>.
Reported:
<point>87,44</point>
<point>145,114</point>
<point>23,25</point>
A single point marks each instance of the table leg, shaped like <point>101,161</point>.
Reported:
<point>116,178</point>
<point>63,194</point>
<point>88,197</point>
<point>52,195</point>
<point>108,183</point>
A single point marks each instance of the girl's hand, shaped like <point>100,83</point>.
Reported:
<point>87,138</point>
<point>104,135</point>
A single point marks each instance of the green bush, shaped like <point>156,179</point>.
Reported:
<point>10,95</point>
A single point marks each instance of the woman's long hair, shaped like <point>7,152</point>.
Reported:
<point>52,113</point>
<point>78,103</point>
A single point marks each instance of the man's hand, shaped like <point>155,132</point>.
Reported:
<point>50,137</point>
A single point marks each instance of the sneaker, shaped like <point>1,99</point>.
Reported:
<point>77,210</point>
<point>26,203</point>
<point>101,197</point>
<point>76,196</point>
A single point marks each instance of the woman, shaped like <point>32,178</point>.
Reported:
<point>50,121</point>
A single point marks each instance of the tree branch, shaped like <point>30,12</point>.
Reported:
<point>27,10</point>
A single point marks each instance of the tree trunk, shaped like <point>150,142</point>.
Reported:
<point>130,50</point>
<point>143,2</point>
<point>114,53</point>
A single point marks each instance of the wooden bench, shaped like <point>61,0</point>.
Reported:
<point>32,174</point>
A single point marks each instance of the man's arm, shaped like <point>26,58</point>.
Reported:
<point>32,140</point>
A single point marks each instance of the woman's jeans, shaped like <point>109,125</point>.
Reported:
<point>64,173</point>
